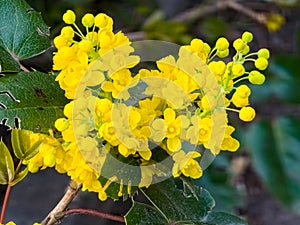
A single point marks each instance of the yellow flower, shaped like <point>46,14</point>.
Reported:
<point>274,22</point>
<point>173,129</point>
<point>107,131</point>
<point>218,68</point>
<point>119,85</point>
<point>229,143</point>
<point>185,164</point>
<point>241,95</point>
<point>200,48</point>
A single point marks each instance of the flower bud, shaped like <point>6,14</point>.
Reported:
<point>256,77</point>
<point>222,44</point>
<point>239,44</point>
<point>261,63</point>
<point>67,32</point>
<point>238,70</point>
<point>87,20</point>
<point>247,114</point>
<point>223,54</point>
<point>69,17</point>
<point>247,37</point>
<point>263,53</point>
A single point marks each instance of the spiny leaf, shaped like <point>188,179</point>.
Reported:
<point>41,100</point>
<point>23,32</point>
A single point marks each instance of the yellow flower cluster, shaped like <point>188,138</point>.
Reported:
<point>73,57</point>
<point>179,109</point>
<point>48,151</point>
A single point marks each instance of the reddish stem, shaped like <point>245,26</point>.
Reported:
<point>96,213</point>
<point>4,206</point>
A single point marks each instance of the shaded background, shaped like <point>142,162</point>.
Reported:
<point>261,182</point>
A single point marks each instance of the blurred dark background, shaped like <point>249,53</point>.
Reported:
<point>261,182</point>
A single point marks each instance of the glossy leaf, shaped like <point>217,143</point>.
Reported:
<point>7,62</point>
<point>221,218</point>
<point>142,214</point>
<point>274,146</point>
<point>19,176</point>
<point>124,169</point>
<point>33,150</point>
<point>7,168</point>
<point>41,100</point>
<point>23,31</point>
<point>22,146</point>
<point>192,204</point>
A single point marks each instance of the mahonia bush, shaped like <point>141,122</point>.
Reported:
<point>95,73</point>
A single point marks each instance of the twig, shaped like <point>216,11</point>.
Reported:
<point>4,206</point>
<point>96,213</point>
<point>259,17</point>
<point>200,11</point>
<point>58,212</point>
<point>7,193</point>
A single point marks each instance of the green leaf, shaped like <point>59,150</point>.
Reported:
<point>125,169</point>
<point>33,150</point>
<point>7,62</point>
<point>274,146</point>
<point>41,100</point>
<point>7,169</point>
<point>19,176</point>
<point>23,32</point>
<point>16,144</point>
<point>192,204</point>
<point>222,218</point>
<point>142,214</point>
<point>21,144</point>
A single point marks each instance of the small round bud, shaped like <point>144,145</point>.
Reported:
<point>238,70</point>
<point>264,53</point>
<point>102,20</point>
<point>61,124</point>
<point>239,44</point>
<point>245,50</point>
<point>223,54</point>
<point>243,91</point>
<point>247,114</point>
<point>69,17</point>
<point>261,63</point>
<point>87,20</point>
<point>222,44</point>
<point>60,41</point>
<point>255,77</point>
<point>217,67</point>
<point>247,37</point>
<point>67,32</point>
